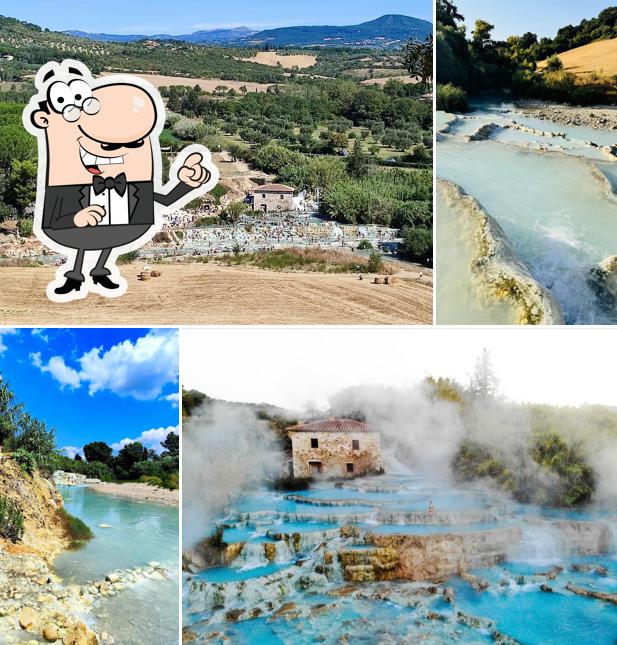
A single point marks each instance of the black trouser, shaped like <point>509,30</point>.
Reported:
<point>95,238</point>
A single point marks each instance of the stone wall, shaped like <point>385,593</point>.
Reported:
<point>334,452</point>
<point>273,201</point>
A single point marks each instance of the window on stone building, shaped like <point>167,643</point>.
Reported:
<point>314,442</point>
<point>355,444</point>
<point>350,468</point>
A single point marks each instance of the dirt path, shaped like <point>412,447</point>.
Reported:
<point>210,294</point>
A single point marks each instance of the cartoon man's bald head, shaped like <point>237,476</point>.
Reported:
<point>103,130</point>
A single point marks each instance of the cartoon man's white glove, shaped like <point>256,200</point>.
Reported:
<point>192,172</point>
<point>89,216</point>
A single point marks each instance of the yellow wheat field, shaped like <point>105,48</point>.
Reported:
<point>288,61</point>
<point>599,58</point>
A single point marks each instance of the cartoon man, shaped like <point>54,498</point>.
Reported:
<point>100,169</point>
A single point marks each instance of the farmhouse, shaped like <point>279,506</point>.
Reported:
<point>334,448</point>
<point>272,198</point>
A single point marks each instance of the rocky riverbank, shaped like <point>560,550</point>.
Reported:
<point>36,607</point>
<point>597,118</point>
<point>143,492</point>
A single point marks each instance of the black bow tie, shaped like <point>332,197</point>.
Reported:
<point>110,183</point>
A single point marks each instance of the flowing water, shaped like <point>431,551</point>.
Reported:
<point>137,533</point>
<point>288,584</point>
<point>550,189</point>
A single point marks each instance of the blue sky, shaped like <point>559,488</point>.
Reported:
<point>185,16</point>
<point>107,385</point>
<point>542,17</point>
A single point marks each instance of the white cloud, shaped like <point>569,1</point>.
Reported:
<point>5,332</point>
<point>71,451</point>
<point>173,398</point>
<point>40,333</point>
<point>60,371</point>
<point>139,369</point>
<point>149,438</point>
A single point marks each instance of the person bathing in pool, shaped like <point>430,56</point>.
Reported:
<point>102,167</point>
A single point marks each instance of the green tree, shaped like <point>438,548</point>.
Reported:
<point>418,59</point>
<point>482,33</point>
<point>447,13</point>
<point>34,437</point>
<point>98,451</point>
<point>130,455</point>
<point>234,211</point>
<point>10,411</point>
<point>17,145</point>
<point>418,244</point>
<point>357,162</point>
<point>171,445</point>
<point>21,185</point>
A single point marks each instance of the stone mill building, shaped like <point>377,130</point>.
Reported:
<point>334,448</point>
<point>271,198</point>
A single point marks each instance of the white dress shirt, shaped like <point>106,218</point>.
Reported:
<point>116,206</point>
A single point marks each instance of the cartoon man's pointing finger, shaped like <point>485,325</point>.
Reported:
<point>100,168</point>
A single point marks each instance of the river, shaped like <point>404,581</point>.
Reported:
<point>550,189</point>
<point>139,532</point>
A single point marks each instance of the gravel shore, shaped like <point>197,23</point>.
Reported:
<point>599,117</point>
<point>138,491</point>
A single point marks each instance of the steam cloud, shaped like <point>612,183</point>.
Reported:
<point>225,450</point>
<point>416,429</point>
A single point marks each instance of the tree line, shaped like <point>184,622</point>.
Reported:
<point>32,444</point>
<point>479,63</point>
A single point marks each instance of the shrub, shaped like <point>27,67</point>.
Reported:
<point>190,129</point>
<point>26,460</point>
<point>375,262</point>
<point>554,64</point>
<point>365,245</point>
<point>451,98</point>
<point>77,531</point>
<point>126,258</point>
<point>151,480</point>
<point>172,481</point>
<point>25,226</point>
<point>11,520</point>
<point>418,244</point>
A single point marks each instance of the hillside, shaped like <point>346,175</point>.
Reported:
<point>39,501</point>
<point>599,57</point>
<point>386,32</point>
<point>209,36</point>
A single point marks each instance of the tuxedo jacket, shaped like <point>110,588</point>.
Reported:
<point>63,202</point>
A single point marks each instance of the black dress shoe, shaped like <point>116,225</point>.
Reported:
<point>104,281</point>
<point>70,285</point>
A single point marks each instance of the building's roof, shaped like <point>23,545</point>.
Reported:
<point>274,188</point>
<point>332,425</point>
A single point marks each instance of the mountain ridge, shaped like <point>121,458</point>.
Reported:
<point>386,32</point>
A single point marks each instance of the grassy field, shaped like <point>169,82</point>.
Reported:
<point>305,259</point>
<point>596,58</point>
